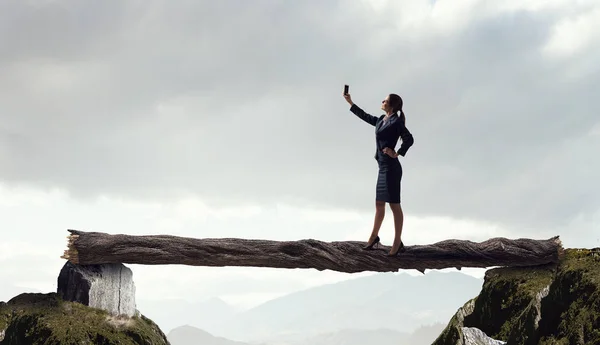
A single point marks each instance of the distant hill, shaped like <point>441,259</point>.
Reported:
<point>176,312</point>
<point>188,335</point>
<point>394,301</point>
<point>356,337</point>
<point>425,335</point>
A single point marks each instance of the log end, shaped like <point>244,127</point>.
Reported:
<point>74,232</point>
<point>71,254</point>
<point>560,248</point>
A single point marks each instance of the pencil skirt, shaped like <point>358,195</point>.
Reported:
<point>388,180</point>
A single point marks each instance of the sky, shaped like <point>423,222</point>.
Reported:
<point>226,119</point>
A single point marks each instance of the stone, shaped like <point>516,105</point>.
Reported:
<point>109,287</point>
<point>3,321</point>
<point>475,336</point>
<point>537,304</point>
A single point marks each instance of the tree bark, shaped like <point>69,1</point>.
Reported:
<point>86,248</point>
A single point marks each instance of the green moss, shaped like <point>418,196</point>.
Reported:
<point>512,307</point>
<point>4,314</point>
<point>524,328</point>
<point>571,312</point>
<point>452,334</point>
<point>506,296</point>
<point>46,319</point>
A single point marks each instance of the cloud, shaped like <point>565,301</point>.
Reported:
<point>239,107</point>
<point>574,34</point>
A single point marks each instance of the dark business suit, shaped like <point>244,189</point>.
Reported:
<point>386,135</point>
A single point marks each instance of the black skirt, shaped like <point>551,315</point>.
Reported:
<point>388,179</point>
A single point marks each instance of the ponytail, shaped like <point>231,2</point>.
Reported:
<point>397,103</point>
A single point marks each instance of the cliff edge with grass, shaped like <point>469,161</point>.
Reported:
<point>548,304</point>
<point>46,319</point>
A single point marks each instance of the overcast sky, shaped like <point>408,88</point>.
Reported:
<point>226,119</point>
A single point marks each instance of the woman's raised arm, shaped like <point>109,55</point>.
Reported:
<point>356,110</point>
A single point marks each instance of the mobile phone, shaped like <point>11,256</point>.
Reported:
<point>346,87</point>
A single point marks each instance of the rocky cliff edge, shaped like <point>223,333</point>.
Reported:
<point>549,304</point>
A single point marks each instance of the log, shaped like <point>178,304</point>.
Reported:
<point>91,248</point>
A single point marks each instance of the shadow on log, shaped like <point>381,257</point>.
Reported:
<point>86,248</point>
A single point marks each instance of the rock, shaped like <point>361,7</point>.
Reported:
<point>474,336</point>
<point>537,305</point>
<point>465,311</point>
<point>457,334</point>
<point>47,319</point>
<point>453,333</point>
<point>3,321</point>
<point>108,287</point>
<point>547,304</point>
<point>570,313</point>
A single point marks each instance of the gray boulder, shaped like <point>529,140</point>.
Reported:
<point>475,336</point>
<point>108,286</point>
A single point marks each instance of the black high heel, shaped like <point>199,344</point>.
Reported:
<point>370,246</point>
<point>400,249</point>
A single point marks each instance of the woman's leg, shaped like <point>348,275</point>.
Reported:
<point>398,223</point>
<point>379,215</point>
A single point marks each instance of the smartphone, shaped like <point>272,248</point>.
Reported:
<point>346,87</point>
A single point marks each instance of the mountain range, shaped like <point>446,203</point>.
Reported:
<point>387,303</point>
<point>425,335</point>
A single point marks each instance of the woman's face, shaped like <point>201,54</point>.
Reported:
<point>385,104</point>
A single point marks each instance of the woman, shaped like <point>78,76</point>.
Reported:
<point>388,129</point>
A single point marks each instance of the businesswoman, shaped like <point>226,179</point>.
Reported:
<point>389,127</point>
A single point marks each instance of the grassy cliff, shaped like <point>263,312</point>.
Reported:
<point>46,319</point>
<point>552,304</point>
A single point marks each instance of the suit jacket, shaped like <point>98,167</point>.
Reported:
<point>388,133</point>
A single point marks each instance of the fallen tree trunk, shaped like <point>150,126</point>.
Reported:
<point>87,248</point>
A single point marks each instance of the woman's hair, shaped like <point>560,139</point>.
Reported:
<point>396,103</point>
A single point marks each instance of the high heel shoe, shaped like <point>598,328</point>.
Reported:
<point>400,249</point>
<point>370,246</point>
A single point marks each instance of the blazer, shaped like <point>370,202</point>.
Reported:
<point>388,133</point>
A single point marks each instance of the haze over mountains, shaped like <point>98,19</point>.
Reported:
<point>388,305</point>
<point>172,313</point>
<point>188,335</point>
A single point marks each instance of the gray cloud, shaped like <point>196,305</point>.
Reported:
<point>241,102</point>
